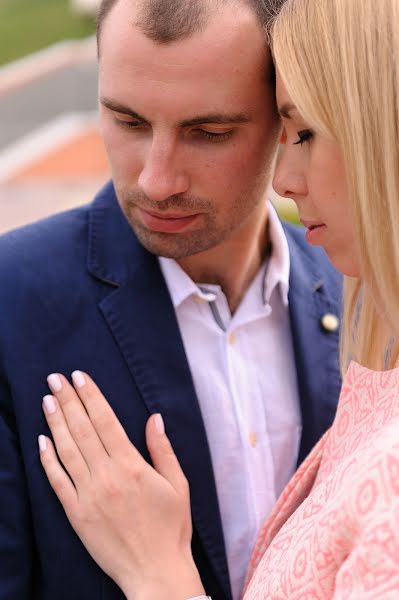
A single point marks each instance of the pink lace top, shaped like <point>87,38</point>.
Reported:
<point>334,532</point>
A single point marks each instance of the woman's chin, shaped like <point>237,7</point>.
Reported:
<point>346,266</point>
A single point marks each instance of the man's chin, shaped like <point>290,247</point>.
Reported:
<point>168,245</point>
<point>172,245</point>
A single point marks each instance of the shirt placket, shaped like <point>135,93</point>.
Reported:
<point>248,399</point>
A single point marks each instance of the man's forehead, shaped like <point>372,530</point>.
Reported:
<point>192,74</point>
<point>231,38</point>
<point>181,97</point>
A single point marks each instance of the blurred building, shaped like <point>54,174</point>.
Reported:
<point>51,152</point>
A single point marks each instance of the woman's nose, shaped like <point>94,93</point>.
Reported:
<point>289,179</point>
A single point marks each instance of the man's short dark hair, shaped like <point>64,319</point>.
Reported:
<point>165,21</point>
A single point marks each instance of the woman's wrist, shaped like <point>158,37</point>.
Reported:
<point>181,582</point>
<point>165,590</point>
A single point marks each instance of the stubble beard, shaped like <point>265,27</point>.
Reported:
<point>173,245</point>
<point>210,231</point>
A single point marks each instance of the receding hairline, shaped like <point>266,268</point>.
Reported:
<point>166,22</point>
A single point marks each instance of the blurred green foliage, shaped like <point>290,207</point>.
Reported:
<point>30,25</point>
<point>288,215</point>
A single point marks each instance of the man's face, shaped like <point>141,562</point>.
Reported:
<point>190,129</point>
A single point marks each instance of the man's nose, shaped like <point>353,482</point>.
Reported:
<point>163,174</point>
<point>289,180</point>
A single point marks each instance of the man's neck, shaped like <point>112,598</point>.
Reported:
<point>233,264</point>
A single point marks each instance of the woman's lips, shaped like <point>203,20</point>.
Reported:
<point>314,232</point>
<point>172,223</point>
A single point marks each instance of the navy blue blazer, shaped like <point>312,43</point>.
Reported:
<point>78,291</point>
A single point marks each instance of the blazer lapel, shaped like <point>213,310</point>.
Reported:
<point>141,317</point>
<point>316,350</point>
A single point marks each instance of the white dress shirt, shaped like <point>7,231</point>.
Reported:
<point>245,378</point>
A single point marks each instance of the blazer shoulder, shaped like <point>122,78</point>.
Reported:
<point>44,243</point>
<point>42,264</point>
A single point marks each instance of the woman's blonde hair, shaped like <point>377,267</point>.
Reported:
<point>339,61</point>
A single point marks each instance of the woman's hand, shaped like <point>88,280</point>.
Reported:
<point>133,519</point>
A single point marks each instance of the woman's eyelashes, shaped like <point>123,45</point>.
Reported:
<point>304,136</point>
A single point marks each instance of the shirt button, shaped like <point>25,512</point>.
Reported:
<point>199,300</point>
<point>253,439</point>
<point>232,339</point>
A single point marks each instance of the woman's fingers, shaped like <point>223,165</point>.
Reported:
<point>78,421</point>
<point>102,417</point>
<point>59,480</point>
<point>119,507</point>
<point>162,454</point>
<point>88,427</point>
<point>68,452</point>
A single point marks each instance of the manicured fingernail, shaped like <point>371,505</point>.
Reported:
<point>54,382</point>
<point>49,404</point>
<point>42,443</point>
<point>159,424</point>
<point>78,379</point>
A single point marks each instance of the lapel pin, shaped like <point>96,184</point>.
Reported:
<point>330,322</point>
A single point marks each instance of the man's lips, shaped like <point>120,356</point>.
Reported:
<point>165,223</point>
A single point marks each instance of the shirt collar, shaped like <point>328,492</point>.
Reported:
<point>276,273</point>
<point>180,285</point>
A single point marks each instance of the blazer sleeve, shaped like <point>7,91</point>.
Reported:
<point>16,537</point>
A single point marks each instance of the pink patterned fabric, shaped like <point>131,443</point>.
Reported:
<point>334,532</point>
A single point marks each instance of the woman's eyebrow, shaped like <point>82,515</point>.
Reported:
<point>286,109</point>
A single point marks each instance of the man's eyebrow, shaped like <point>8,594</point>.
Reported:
<point>216,119</point>
<point>120,108</point>
<point>286,109</point>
